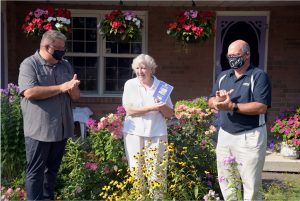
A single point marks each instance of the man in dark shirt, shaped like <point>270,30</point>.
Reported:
<point>242,96</point>
<point>48,85</point>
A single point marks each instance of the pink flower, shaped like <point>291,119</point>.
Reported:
<point>221,179</point>
<point>91,166</point>
<point>90,123</point>
<point>121,110</point>
<point>116,24</point>
<point>186,27</point>
<point>9,191</point>
<point>78,189</point>
<point>229,160</point>
<point>21,194</point>
<point>106,170</point>
<point>48,26</point>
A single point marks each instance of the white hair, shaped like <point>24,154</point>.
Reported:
<point>144,59</point>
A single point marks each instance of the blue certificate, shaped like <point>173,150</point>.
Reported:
<point>163,91</point>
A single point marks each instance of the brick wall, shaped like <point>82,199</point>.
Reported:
<point>189,69</point>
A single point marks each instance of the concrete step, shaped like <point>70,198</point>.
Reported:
<point>276,163</point>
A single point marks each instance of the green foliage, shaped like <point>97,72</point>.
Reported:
<point>194,147</point>
<point>289,190</point>
<point>89,165</point>
<point>13,160</point>
<point>200,103</point>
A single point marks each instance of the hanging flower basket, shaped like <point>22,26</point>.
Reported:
<point>123,25</point>
<point>38,21</point>
<point>193,26</point>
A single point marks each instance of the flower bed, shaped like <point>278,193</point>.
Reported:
<point>287,127</point>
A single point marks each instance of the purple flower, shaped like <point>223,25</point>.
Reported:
<point>271,146</point>
<point>78,189</point>
<point>191,13</point>
<point>209,183</point>
<point>121,110</point>
<point>209,176</point>
<point>4,92</point>
<point>221,179</point>
<point>229,160</point>
<point>129,15</point>
<point>91,123</point>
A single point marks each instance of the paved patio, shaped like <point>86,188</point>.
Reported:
<point>276,163</point>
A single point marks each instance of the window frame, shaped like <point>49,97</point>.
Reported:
<point>101,51</point>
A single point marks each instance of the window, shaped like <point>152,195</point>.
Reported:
<point>102,65</point>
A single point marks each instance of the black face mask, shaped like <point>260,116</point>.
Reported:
<point>58,54</point>
<point>236,62</point>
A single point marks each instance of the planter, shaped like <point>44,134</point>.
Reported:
<point>288,151</point>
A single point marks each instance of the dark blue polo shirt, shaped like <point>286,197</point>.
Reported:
<point>234,122</point>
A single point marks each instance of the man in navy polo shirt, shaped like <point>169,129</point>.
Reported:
<point>242,96</point>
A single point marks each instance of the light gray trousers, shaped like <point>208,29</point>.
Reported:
<point>249,150</point>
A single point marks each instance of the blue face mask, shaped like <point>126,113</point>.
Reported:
<point>236,62</point>
<point>58,54</point>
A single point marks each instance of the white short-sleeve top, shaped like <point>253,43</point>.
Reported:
<point>150,124</point>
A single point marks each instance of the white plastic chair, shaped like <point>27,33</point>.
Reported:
<point>81,115</point>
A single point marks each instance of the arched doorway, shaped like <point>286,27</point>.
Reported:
<point>232,26</point>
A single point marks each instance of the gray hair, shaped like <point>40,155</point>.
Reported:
<point>145,59</point>
<point>49,37</point>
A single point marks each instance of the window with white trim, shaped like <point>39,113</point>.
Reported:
<point>103,65</point>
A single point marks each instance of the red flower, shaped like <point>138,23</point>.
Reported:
<point>186,27</point>
<point>50,10</point>
<point>48,26</point>
<point>116,24</point>
<point>172,25</point>
<point>27,18</point>
<point>30,27</point>
<point>182,19</point>
<point>116,12</point>
<point>38,22</point>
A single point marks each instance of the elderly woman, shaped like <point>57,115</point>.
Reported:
<point>145,126</point>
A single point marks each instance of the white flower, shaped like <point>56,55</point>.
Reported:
<point>58,25</point>
<point>138,23</point>
<point>51,19</point>
<point>63,20</point>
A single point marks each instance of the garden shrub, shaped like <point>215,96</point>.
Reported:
<point>90,164</point>
<point>13,158</point>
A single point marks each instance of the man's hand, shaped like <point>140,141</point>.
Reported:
<point>223,101</point>
<point>70,85</point>
<point>226,104</point>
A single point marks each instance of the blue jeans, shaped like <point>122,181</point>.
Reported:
<point>43,161</point>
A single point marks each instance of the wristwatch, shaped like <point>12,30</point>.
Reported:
<point>235,107</point>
